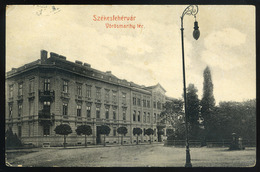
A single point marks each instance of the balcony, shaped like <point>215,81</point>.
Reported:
<point>106,101</point>
<point>98,100</point>
<point>79,118</point>
<point>65,117</point>
<point>46,96</point>
<point>88,99</point>
<point>124,105</point>
<point>45,118</point>
<point>20,98</point>
<point>31,95</point>
<point>65,96</point>
<point>78,98</point>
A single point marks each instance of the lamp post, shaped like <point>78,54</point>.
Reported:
<point>190,10</point>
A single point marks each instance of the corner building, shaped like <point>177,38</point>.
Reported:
<point>53,91</point>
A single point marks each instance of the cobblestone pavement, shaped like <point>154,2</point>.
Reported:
<point>154,155</point>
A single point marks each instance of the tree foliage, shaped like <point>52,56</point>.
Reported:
<point>233,117</point>
<point>149,132</point>
<point>193,110</point>
<point>173,113</point>
<point>169,131</point>
<point>105,130</point>
<point>122,131</point>
<point>63,129</point>
<point>12,140</point>
<point>84,129</point>
<point>171,109</point>
<point>208,100</point>
<point>137,132</point>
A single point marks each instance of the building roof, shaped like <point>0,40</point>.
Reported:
<point>60,62</point>
<point>156,86</point>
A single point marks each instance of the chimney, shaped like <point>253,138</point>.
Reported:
<point>44,55</point>
<point>62,57</point>
<point>78,62</point>
<point>54,54</point>
<point>87,65</point>
<point>108,72</point>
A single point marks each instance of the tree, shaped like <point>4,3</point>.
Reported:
<point>170,134</point>
<point>208,100</point>
<point>137,132</point>
<point>234,117</point>
<point>171,110</point>
<point>180,129</point>
<point>149,132</point>
<point>63,129</point>
<point>11,139</point>
<point>173,113</point>
<point>84,129</point>
<point>105,130</point>
<point>169,131</point>
<point>123,132</point>
<point>193,110</point>
<point>160,132</point>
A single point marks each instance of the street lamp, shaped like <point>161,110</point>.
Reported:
<point>190,10</point>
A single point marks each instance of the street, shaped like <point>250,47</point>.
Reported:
<point>155,155</point>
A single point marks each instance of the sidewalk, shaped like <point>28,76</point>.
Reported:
<point>36,149</point>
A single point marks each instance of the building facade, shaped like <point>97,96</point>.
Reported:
<point>53,91</point>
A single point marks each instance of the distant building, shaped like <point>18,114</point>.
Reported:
<point>50,91</point>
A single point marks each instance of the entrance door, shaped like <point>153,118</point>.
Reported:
<point>159,138</point>
<point>98,138</point>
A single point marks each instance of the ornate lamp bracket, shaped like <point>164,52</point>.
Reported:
<point>190,10</point>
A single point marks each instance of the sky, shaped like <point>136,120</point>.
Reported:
<point>146,55</point>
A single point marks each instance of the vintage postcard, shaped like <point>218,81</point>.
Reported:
<point>130,86</point>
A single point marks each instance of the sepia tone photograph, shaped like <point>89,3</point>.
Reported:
<point>130,86</point>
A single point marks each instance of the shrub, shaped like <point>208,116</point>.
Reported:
<point>12,140</point>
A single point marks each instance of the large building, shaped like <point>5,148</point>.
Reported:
<point>53,91</point>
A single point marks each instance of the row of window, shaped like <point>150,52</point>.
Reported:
<point>65,90</point>
<point>98,92</point>
<point>146,117</point>
<point>20,89</point>
<point>136,116</point>
<point>146,103</point>
<point>20,109</point>
<point>46,105</point>
<point>88,112</point>
<point>136,98</point>
<point>159,105</point>
<point>46,130</point>
<point>31,87</point>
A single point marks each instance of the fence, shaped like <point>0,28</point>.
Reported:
<point>197,143</point>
